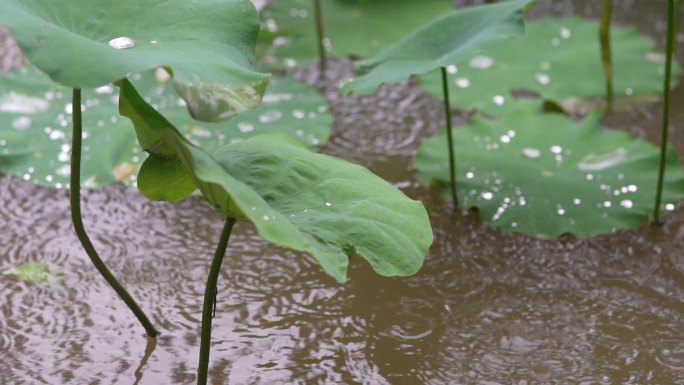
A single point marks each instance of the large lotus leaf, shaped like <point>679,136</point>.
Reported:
<point>557,59</point>
<point>208,45</point>
<point>35,132</point>
<point>298,199</point>
<point>545,175</point>
<point>289,106</point>
<point>35,126</point>
<point>447,39</point>
<point>352,27</point>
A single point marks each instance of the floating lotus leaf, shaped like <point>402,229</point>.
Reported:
<point>298,199</point>
<point>353,27</point>
<point>545,175</point>
<point>35,272</point>
<point>207,45</point>
<point>447,39</point>
<point>557,59</point>
<point>35,125</point>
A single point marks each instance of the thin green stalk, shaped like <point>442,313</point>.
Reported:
<point>450,138</point>
<point>606,53</point>
<point>209,301</point>
<point>77,220</point>
<point>321,36</point>
<point>666,107</point>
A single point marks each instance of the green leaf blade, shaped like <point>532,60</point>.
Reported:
<point>376,25</point>
<point>208,46</point>
<point>301,200</point>
<point>444,40</point>
<point>558,60</point>
<point>164,180</point>
<point>35,125</point>
<point>544,175</point>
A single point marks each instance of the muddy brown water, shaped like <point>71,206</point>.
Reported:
<point>487,308</point>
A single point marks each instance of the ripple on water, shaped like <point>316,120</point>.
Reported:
<point>390,122</point>
<point>487,307</point>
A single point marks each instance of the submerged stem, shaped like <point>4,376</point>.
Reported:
<point>321,36</point>
<point>209,302</point>
<point>666,107</point>
<point>450,137</point>
<point>606,53</point>
<point>77,220</point>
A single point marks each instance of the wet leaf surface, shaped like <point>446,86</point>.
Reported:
<point>324,206</point>
<point>35,125</point>
<point>208,46</point>
<point>288,37</point>
<point>558,59</point>
<point>545,175</point>
<point>446,39</point>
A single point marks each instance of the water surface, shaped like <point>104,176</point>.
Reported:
<point>488,307</point>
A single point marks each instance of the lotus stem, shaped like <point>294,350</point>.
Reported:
<point>210,301</point>
<point>606,53</point>
<point>320,32</point>
<point>77,220</point>
<point>666,106</point>
<point>450,137</point>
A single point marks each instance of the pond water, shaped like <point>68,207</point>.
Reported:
<point>487,307</point>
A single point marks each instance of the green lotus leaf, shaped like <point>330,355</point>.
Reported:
<point>358,28</point>
<point>298,199</point>
<point>207,45</point>
<point>35,125</point>
<point>559,60</point>
<point>289,106</point>
<point>35,272</point>
<point>447,39</point>
<point>545,175</point>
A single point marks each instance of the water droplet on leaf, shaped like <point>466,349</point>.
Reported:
<point>531,153</point>
<point>122,42</point>
<point>481,62</point>
<point>462,83</point>
<point>543,79</point>
<point>596,162</point>
<point>21,123</point>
